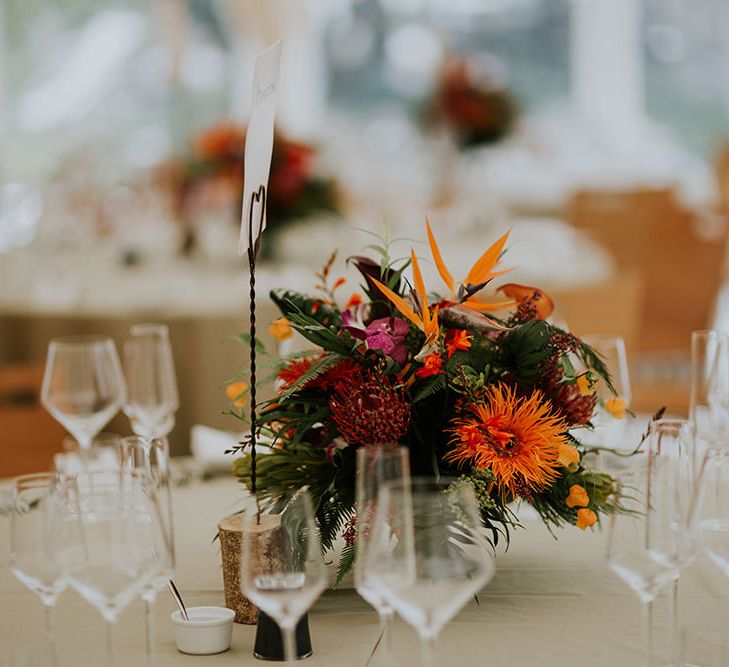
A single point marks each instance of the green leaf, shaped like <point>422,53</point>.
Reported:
<point>318,368</point>
<point>245,339</point>
<point>346,563</point>
<point>429,387</point>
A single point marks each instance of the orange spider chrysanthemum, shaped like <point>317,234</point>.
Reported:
<point>518,439</point>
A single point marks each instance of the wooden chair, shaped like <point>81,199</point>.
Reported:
<point>29,436</point>
<point>611,308</point>
<point>678,261</point>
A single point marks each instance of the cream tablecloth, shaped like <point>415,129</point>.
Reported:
<point>552,603</point>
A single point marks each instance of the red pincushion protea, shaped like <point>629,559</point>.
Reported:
<point>368,410</point>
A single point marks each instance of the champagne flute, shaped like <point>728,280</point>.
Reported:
<point>642,543</point>
<point>83,385</point>
<point>283,571</point>
<point>150,459</point>
<point>709,403</point>
<point>152,397</point>
<point>375,466</point>
<point>428,556</point>
<point>32,557</point>
<point>107,540</point>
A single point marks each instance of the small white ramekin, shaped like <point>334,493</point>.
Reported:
<point>208,631</point>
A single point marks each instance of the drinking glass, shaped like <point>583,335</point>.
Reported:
<point>152,398</point>
<point>32,556</point>
<point>150,459</point>
<point>612,351</point>
<point>709,404</point>
<point>107,539</point>
<point>642,541</point>
<point>428,555</point>
<point>102,455</point>
<point>283,571</point>
<point>375,466</point>
<point>83,385</point>
<point>674,439</point>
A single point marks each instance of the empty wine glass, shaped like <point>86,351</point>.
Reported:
<point>613,354</point>
<point>642,544</point>
<point>674,439</point>
<point>712,509</point>
<point>709,404</point>
<point>83,385</point>
<point>612,351</point>
<point>32,555</point>
<point>375,466</point>
<point>152,398</point>
<point>108,536</point>
<point>150,458</point>
<point>428,555</point>
<point>283,571</point>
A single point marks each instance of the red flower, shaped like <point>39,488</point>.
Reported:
<point>432,365</point>
<point>458,339</point>
<point>293,372</point>
<point>354,300</point>
<point>368,410</point>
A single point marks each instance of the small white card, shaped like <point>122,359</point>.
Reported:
<point>259,145</point>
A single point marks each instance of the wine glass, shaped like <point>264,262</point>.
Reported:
<point>107,538</point>
<point>150,459</point>
<point>152,397</point>
<point>674,439</point>
<point>428,555</point>
<point>709,404</point>
<point>642,541</point>
<point>283,571</point>
<point>102,455</point>
<point>375,466</point>
<point>613,354</point>
<point>32,557</point>
<point>83,385</point>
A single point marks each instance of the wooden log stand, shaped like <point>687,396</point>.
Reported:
<point>266,546</point>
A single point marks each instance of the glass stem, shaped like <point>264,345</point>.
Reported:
<point>383,645</point>
<point>648,633</point>
<point>148,627</point>
<point>427,645</point>
<point>50,638</point>
<point>387,633</point>
<point>109,643</point>
<point>673,610</point>
<point>288,634</point>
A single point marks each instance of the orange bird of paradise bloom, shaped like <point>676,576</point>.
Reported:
<point>426,321</point>
<point>481,273</point>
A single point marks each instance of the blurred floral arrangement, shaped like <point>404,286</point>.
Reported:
<point>469,101</point>
<point>486,391</point>
<point>210,178</point>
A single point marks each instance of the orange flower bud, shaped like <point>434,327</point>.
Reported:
<point>569,457</point>
<point>585,518</point>
<point>578,497</point>
<point>616,407</point>
<point>280,329</point>
<point>584,384</point>
<point>236,392</point>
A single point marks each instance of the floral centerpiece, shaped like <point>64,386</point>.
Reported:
<point>470,101</point>
<point>210,178</point>
<point>483,389</point>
